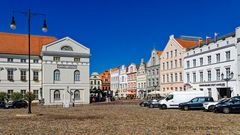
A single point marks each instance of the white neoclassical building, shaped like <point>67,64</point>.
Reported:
<point>59,68</point>
<point>114,83</point>
<point>207,66</point>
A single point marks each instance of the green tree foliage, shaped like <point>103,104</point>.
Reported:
<point>29,96</point>
<point>16,96</point>
<point>3,96</point>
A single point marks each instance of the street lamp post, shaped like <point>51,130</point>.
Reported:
<point>228,78</point>
<point>44,29</point>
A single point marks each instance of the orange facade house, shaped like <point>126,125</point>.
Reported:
<point>171,61</point>
<point>105,77</point>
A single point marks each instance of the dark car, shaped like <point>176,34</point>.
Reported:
<point>144,103</point>
<point>155,103</point>
<point>230,106</point>
<point>17,104</point>
<point>195,103</point>
<point>2,104</point>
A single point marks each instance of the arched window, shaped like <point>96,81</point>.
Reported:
<point>76,95</point>
<point>56,75</point>
<point>76,75</point>
<point>67,48</point>
<point>57,95</point>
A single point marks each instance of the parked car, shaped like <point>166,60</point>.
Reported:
<point>144,103</point>
<point>2,104</point>
<point>210,106</point>
<point>17,104</point>
<point>155,102</point>
<point>195,103</point>
<point>229,106</point>
<point>175,98</point>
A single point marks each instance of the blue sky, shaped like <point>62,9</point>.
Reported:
<point>124,31</point>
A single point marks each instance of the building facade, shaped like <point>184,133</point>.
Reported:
<point>114,73</point>
<point>105,78</point>
<point>65,67</point>
<point>208,64</point>
<point>171,62</point>
<point>141,80</point>
<point>59,68</point>
<point>95,81</point>
<point>132,80</point>
<point>152,71</point>
<point>122,93</point>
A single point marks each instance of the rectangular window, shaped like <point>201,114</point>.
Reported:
<point>163,66</point>
<point>56,59</point>
<point>171,54</point>
<point>23,60</point>
<point>176,77</point>
<point>201,61</point>
<point>228,73</point>
<point>201,76</point>
<point>227,55</point>
<point>35,75</point>
<point>209,75</point>
<point>176,53</point>
<point>167,66</point>
<point>76,59</point>
<point>23,75</point>
<point>10,59</point>
<point>209,92</point>
<point>10,75</point>
<point>176,64</point>
<point>9,94</point>
<point>157,71</point>
<point>218,57</point>
<point>209,60</point>
<point>35,92</point>
<point>171,64</point>
<point>35,61</point>
<point>218,74</point>
<point>180,76</point>
<point>194,63</point>
<point>23,92</point>
<point>167,78</point>
<point>167,55</point>
<point>188,78</point>
<point>171,77</point>
<point>180,62</point>
<point>188,64</point>
<point>194,77</point>
<point>163,78</point>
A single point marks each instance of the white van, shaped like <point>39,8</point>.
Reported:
<point>173,99</point>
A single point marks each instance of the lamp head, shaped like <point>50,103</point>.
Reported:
<point>44,27</point>
<point>13,24</point>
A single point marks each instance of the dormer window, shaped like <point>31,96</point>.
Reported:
<point>66,48</point>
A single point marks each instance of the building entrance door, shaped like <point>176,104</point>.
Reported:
<point>224,92</point>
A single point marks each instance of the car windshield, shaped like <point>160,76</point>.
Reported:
<point>223,100</point>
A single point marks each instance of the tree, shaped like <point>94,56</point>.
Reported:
<point>3,96</point>
<point>29,96</point>
<point>16,96</point>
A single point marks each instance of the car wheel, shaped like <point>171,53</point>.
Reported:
<point>151,106</point>
<point>142,105</point>
<point>185,108</point>
<point>226,110</point>
<point>14,107</point>
<point>211,108</point>
<point>163,107</point>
